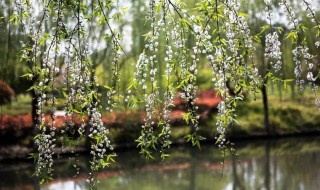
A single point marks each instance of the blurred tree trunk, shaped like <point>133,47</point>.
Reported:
<point>264,72</point>
<point>265,107</point>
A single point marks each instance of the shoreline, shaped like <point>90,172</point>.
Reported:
<point>234,138</point>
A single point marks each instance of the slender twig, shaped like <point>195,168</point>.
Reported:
<point>112,32</point>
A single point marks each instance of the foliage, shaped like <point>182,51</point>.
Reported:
<point>60,37</point>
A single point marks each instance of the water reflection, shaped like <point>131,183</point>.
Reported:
<point>271,165</point>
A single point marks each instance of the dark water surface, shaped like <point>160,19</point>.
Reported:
<point>283,164</point>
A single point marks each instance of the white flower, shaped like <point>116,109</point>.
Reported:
<point>310,76</point>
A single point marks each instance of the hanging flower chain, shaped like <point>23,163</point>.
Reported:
<point>272,50</point>
<point>58,49</point>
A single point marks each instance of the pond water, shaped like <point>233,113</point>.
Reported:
<point>283,164</point>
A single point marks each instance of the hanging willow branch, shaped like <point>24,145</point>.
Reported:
<point>179,39</point>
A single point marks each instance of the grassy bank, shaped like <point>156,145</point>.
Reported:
<point>21,105</point>
<point>288,116</point>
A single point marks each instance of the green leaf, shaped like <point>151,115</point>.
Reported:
<point>14,18</point>
<point>186,117</point>
<point>110,157</point>
<point>107,87</point>
<point>27,75</point>
<point>116,16</point>
<point>292,35</point>
<point>265,27</point>
<point>198,144</point>
<point>132,85</point>
<point>164,156</point>
<point>80,132</point>
<point>36,137</point>
<point>31,88</point>
<point>280,29</point>
<point>158,6</point>
<point>34,156</point>
<point>124,10</point>
<point>257,38</point>
<point>219,138</point>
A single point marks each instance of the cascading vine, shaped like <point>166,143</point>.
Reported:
<point>310,65</point>
<point>232,72</point>
<point>43,51</point>
<point>301,51</point>
<point>43,57</point>
<point>147,69</point>
<point>169,61</point>
<point>178,40</point>
<point>217,59</point>
<point>187,83</point>
<point>272,50</point>
<point>312,15</point>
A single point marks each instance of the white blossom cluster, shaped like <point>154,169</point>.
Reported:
<point>286,7</point>
<point>312,11</point>
<point>298,69</point>
<point>100,142</point>
<point>112,91</point>
<point>166,131</point>
<point>219,64</point>
<point>204,39</point>
<point>141,77</point>
<point>43,72</point>
<point>140,73</point>
<point>273,45</point>
<point>189,69</point>
<point>149,70</point>
<point>222,110</point>
<point>45,144</point>
<point>238,36</point>
<point>80,83</point>
<point>168,60</point>
<point>229,64</point>
<point>190,90</point>
<point>77,83</point>
<point>273,51</point>
<point>312,14</point>
<point>269,13</point>
<point>240,26</point>
<point>301,53</point>
<point>220,84</point>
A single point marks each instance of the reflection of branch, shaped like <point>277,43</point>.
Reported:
<point>236,181</point>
